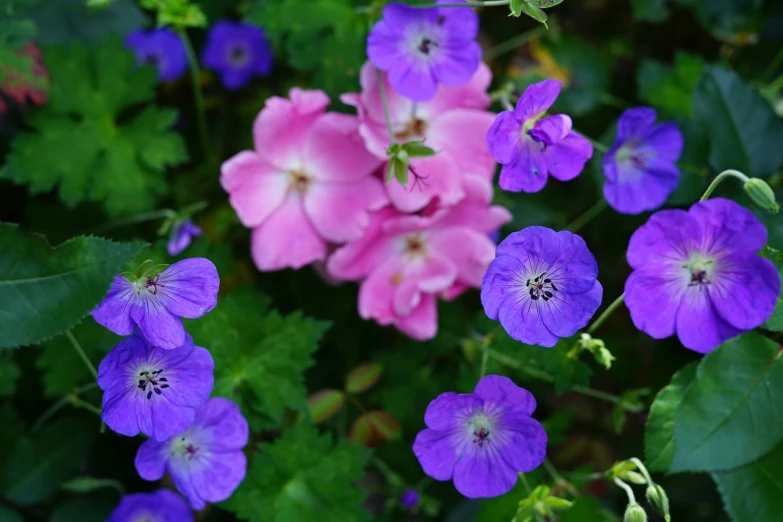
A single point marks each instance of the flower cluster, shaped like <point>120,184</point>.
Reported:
<point>157,382</point>
<point>238,52</point>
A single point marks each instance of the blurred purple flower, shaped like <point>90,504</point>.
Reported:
<point>530,146</point>
<point>640,167</point>
<point>152,390</point>
<point>495,235</point>
<point>206,461</point>
<point>697,273</point>
<point>410,499</point>
<point>482,439</point>
<point>161,506</point>
<point>161,48</point>
<point>182,233</point>
<point>542,285</point>
<point>421,48</point>
<point>238,52</point>
<point>187,289</point>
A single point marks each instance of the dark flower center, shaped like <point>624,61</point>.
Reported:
<point>153,58</point>
<point>482,437</point>
<point>299,181</point>
<point>426,45</point>
<point>186,448</point>
<point>541,288</point>
<point>154,284</point>
<point>416,128</point>
<point>238,56</point>
<point>700,271</point>
<point>415,246</point>
<point>191,451</point>
<point>154,381</point>
<point>699,278</point>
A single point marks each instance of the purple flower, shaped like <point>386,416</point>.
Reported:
<point>187,289</point>
<point>182,233</point>
<point>238,51</point>
<point>542,285</point>
<point>410,499</point>
<point>161,48</point>
<point>161,506</point>
<point>640,167</point>
<point>421,48</point>
<point>495,235</point>
<point>698,273</point>
<point>481,439</point>
<point>531,146</point>
<point>152,390</point>
<point>206,461</point>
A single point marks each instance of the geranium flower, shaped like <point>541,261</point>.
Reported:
<point>161,48</point>
<point>152,390</point>
<point>162,505</point>
<point>310,181</point>
<point>205,461</point>
<point>698,273</point>
<point>187,289</point>
<point>482,440</point>
<point>531,146</point>
<point>421,48</point>
<point>182,233</point>
<point>453,124</point>
<point>542,285</point>
<point>408,261</point>
<point>238,51</point>
<point>640,168</point>
<point>410,499</point>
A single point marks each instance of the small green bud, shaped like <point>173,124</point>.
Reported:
<point>635,513</point>
<point>534,12</point>
<point>657,498</point>
<point>762,195</point>
<point>604,357</point>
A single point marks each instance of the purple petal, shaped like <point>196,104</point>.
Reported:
<point>159,418</point>
<point>521,319</point>
<point>181,236</point>
<point>728,226</point>
<point>458,64</point>
<point>150,460</point>
<point>501,390</point>
<point>160,327</point>
<point>385,46</point>
<point>667,237</point>
<point>566,313</point>
<point>537,98</point>
<point>524,441</point>
<point>483,473</point>
<point>448,409</point>
<point>744,289</point>
<point>413,80</point>
<point>163,505</point>
<point>499,282</point>
<point>566,160</point>
<point>113,312</point>
<point>399,16</point>
<point>192,379</point>
<point>213,481</point>
<point>460,23</point>
<point>699,326</point>
<point>436,453</point>
<point>527,172</point>
<point>552,129</point>
<point>634,190</point>
<point>652,295</point>
<point>224,421</point>
<point>635,123</point>
<point>665,141</point>
<point>504,139</point>
<point>189,287</point>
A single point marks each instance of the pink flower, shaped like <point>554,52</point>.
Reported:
<point>309,181</point>
<point>453,123</point>
<point>409,260</point>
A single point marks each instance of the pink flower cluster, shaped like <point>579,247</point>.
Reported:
<point>313,190</point>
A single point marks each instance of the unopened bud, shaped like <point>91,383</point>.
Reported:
<point>762,195</point>
<point>657,498</point>
<point>635,513</point>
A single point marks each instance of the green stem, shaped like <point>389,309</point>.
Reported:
<point>775,85</point>
<point>643,470</point>
<point>596,144</point>
<point>772,67</point>
<point>80,351</point>
<point>628,490</point>
<point>513,43</point>
<point>719,179</point>
<point>76,401</point>
<point>138,218</point>
<point>588,216</point>
<point>529,491</point>
<point>195,75</point>
<point>558,478</point>
<point>614,101</point>
<point>484,357</point>
<point>485,3</point>
<point>604,316</point>
<point>54,408</point>
<point>382,92</point>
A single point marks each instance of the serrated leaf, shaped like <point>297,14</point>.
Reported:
<point>775,321</point>
<point>325,404</point>
<point>260,356</point>
<point>102,157</point>
<point>45,290</point>
<point>304,477</point>
<point>744,132</point>
<point>659,431</point>
<point>729,415</point>
<point>374,427</point>
<point>363,377</point>
<point>754,492</point>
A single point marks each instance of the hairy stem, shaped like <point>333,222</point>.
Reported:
<point>76,401</point>
<point>628,490</point>
<point>604,316</point>
<point>719,179</point>
<point>80,351</point>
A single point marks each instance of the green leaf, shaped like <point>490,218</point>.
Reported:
<point>363,377</point>
<point>260,356</point>
<point>775,321</point>
<point>744,132</point>
<point>659,431</point>
<point>12,431</point>
<point>37,466</point>
<point>64,21</point>
<point>373,427</point>
<point>670,89</point>
<point>516,7</point>
<point>304,477</point>
<point>535,13</point>
<point>45,290</point>
<point>102,157</point>
<point>729,415</point>
<point>650,10</point>
<point>8,514</point>
<point>325,404</point>
<point>9,373</point>
<point>754,492</point>
<point>544,4</point>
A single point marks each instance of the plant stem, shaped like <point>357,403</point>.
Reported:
<point>628,490</point>
<point>596,144</point>
<point>80,351</point>
<point>613,101</point>
<point>719,179</point>
<point>195,76</point>
<point>138,218</point>
<point>544,376</point>
<point>773,65</point>
<point>76,401</point>
<point>384,102</point>
<point>529,491</point>
<point>604,316</point>
<point>484,357</point>
<point>513,43</point>
<point>558,478</point>
<point>643,470</point>
<point>54,408</point>
<point>588,216</point>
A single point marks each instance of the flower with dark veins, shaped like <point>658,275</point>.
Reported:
<point>182,233</point>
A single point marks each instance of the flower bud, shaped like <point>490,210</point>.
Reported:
<point>762,195</point>
<point>635,513</point>
<point>657,498</point>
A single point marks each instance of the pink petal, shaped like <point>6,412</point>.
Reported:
<point>469,250</point>
<point>474,210</point>
<point>286,239</point>
<point>461,133</point>
<point>470,95</point>
<point>334,150</point>
<point>255,188</point>
<point>340,212</point>
<point>436,274</point>
<point>376,294</point>
<point>437,177</point>
<point>358,258</point>
<point>422,323</point>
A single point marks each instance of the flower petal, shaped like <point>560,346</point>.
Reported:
<point>460,133</point>
<point>699,326</point>
<point>376,293</point>
<point>428,178</point>
<point>667,237</point>
<point>665,141</point>
<point>566,160</point>
<point>160,418</point>
<point>227,428</point>
<point>448,410</point>
<point>358,258</point>
<point>459,62</point>
<point>436,453</point>
<point>474,210</point>
<point>413,80</point>
<point>215,481</point>
<point>728,226</point>
<point>150,460</point>
<point>189,288</point>
<point>334,150</point>
<point>744,290</point>
<point>340,212</point>
<point>504,139</point>
<point>255,188</point>
<point>521,319</point>
<point>190,381</point>
<point>635,123</point>
<point>552,129</point>
<point>565,314</point>
<point>499,390</point>
<point>113,312</point>
<point>160,327</point>
<point>470,251</point>
<point>652,295</point>
<point>634,190</point>
<point>537,98</point>
<point>422,323</point>
<point>527,172</point>
<point>499,282</point>
<point>483,472</point>
<point>524,447</point>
